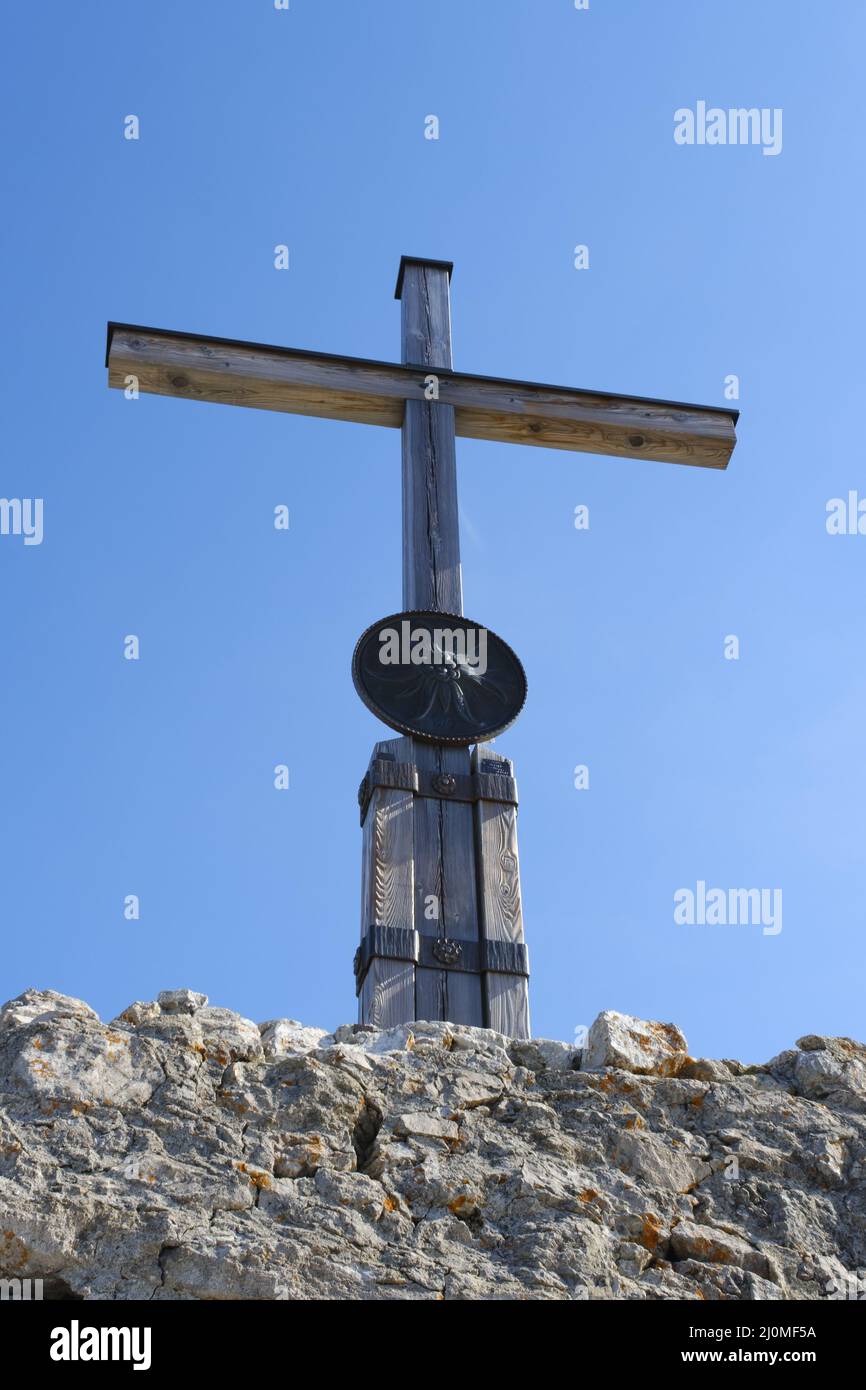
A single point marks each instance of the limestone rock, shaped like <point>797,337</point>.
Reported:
<point>57,1057</point>
<point>426,1126</point>
<point>215,1033</point>
<point>137,1013</point>
<point>282,1035</point>
<point>708,1245</point>
<point>618,1040</point>
<point>544,1054</point>
<point>705,1069</point>
<point>187,1153</point>
<point>180,1001</point>
<point>36,1003</point>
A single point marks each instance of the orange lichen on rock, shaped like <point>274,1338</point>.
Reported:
<point>256,1177</point>
<point>13,1252</point>
<point>650,1233</point>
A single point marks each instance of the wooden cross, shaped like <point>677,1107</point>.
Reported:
<point>441,913</point>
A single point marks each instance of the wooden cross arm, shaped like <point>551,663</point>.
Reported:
<point>373,393</point>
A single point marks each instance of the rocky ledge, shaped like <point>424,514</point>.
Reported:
<point>184,1152</point>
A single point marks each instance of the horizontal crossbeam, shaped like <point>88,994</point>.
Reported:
<point>167,363</point>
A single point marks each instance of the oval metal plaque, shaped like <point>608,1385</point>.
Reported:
<point>439,677</point>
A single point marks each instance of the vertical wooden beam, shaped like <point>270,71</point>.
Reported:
<point>506,996</point>
<point>444,870</point>
<point>431,537</point>
<point>444,839</point>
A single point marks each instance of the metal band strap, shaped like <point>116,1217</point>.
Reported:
<point>485,785</point>
<point>439,953</point>
<point>390,943</point>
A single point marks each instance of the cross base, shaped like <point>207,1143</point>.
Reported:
<point>441,912</point>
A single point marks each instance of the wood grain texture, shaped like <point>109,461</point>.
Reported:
<point>506,997</point>
<point>376,393</point>
<point>431,532</point>
<point>432,577</point>
<point>387,995</point>
<point>445,894</point>
<point>445,882</point>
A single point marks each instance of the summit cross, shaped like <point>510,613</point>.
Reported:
<point>441,909</point>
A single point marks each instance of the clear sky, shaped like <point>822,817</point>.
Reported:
<point>306,127</point>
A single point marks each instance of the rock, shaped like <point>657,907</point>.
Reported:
<point>781,1066</point>
<point>137,1013</point>
<point>478,1040</point>
<point>471,1087</point>
<point>835,1069</point>
<point>219,1035</point>
<point>180,1001</point>
<point>657,1163</point>
<point>192,1154</point>
<point>631,1044</point>
<point>435,1037</point>
<point>705,1069</point>
<point>348,1032</point>
<point>632,1259</point>
<point>709,1245</point>
<point>822,1068</point>
<point>426,1126</point>
<point>282,1035</point>
<point>347,1055</point>
<point>38,1003</point>
<point>399,1039</point>
<point>227,1035</point>
<point>58,1057</point>
<point>818,1074</point>
<point>543,1054</point>
<point>726,1282</point>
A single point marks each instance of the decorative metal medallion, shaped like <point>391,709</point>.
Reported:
<point>444,783</point>
<point>446,950</point>
<point>439,678</point>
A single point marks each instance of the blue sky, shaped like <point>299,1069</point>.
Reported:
<point>306,127</point>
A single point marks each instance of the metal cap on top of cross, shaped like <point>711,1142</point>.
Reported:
<point>441,909</point>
